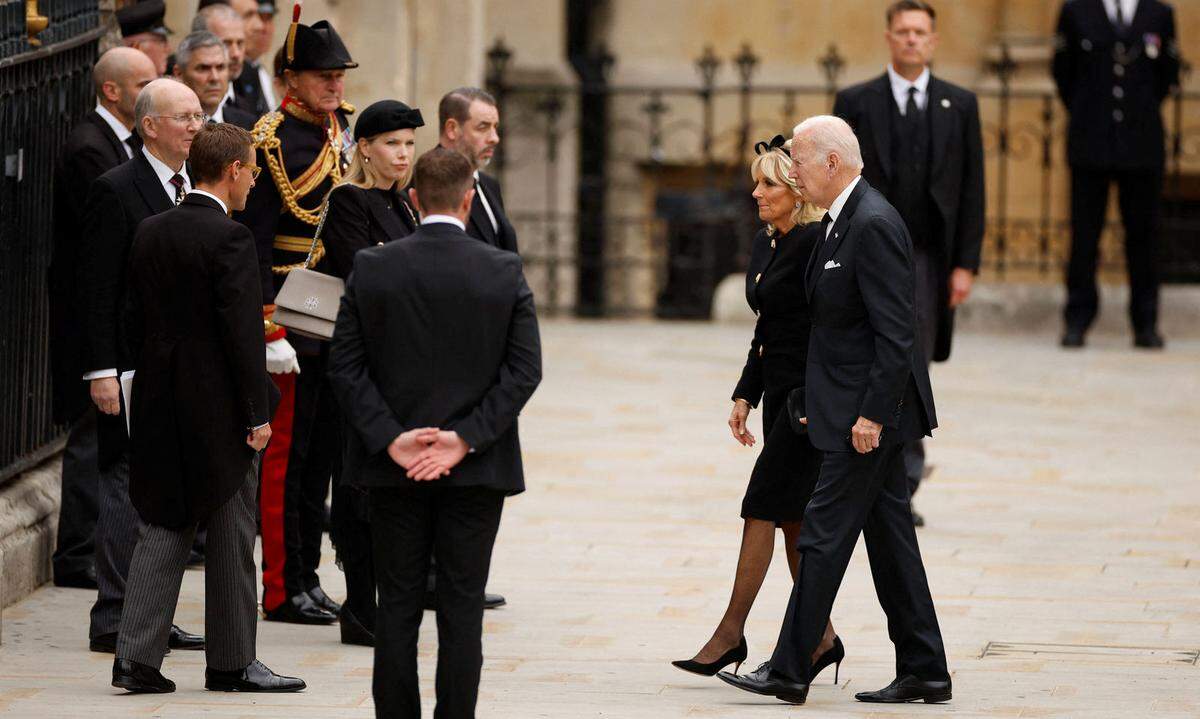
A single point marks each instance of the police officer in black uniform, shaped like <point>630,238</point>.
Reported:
<point>1115,61</point>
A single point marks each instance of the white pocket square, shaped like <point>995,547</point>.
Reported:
<point>831,265</point>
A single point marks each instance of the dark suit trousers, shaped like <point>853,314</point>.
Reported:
<point>929,268</point>
<point>408,525</point>
<point>1140,194</point>
<point>75,551</point>
<point>866,493</point>
<point>117,526</point>
<point>230,586</point>
<point>351,535</point>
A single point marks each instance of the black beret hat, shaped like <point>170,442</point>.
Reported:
<point>385,116</point>
<point>315,47</point>
<point>144,16</point>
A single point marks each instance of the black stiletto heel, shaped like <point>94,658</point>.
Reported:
<point>736,655</point>
<point>834,655</point>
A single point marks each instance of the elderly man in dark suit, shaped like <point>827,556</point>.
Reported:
<point>867,395</point>
<point>1115,61</point>
<point>435,352</point>
<point>201,412</point>
<point>923,149</point>
<point>167,116</point>
<point>103,140</point>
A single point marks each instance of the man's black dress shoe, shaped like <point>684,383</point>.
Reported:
<point>179,639</point>
<point>766,681</point>
<point>300,609</point>
<point>324,601</point>
<point>1148,340</point>
<point>909,689</point>
<point>1072,338</point>
<point>353,631</point>
<point>139,678</point>
<point>254,677</point>
<point>85,579</point>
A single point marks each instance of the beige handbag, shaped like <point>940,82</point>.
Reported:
<point>308,301</point>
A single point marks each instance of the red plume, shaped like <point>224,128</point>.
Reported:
<point>296,12</point>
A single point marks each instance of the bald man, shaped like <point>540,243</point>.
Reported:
<point>100,142</point>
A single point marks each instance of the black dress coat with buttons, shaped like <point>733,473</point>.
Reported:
<point>193,323</point>
<point>360,218</point>
<point>1113,83</point>
<point>479,225</point>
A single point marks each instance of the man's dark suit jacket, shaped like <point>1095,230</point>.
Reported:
<point>193,327</point>
<point>479,225</point>
<point>248,92</point>
<point>437,330</point>
<point>956,171</point>
<point>90,150</point>
<point>863,359</point>
<point>118,202</point>
<point>1087,49</point>
<point>235,115</point>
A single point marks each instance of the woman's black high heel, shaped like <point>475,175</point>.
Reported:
<point>737,654</point>
<point>833,655</point>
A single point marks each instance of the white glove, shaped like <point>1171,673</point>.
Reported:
<point>281,358</point>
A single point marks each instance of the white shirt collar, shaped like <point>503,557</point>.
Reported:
<point>123,133</point>
<point>1128,8</point>
<point>165,173</point>
<point>900,88</point>
<point>211,196</point>
<point>835,207</point>
<point>446,219</point>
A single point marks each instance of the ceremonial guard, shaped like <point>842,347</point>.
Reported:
<point>1115,61</point>
<point>303,147</point>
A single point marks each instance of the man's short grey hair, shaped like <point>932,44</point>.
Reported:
<point>226,12</point>
<point>145,105</point>
<point>832,135</point>
<point>197,41</point>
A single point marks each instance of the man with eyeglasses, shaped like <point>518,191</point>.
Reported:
<point>167,115</point>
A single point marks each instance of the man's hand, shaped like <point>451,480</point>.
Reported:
<point>106,393</point>
<point>865,435</point>
<point>405,448</point>
<point>281,358</point>
<point>737,423</point>
<point>258,438</point>
<point>961,280</point>
<point>439,458</point>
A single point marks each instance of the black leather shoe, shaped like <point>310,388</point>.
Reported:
<point>324,601</point>
<point>85,579</point>
<point>1148,340</point>
<point>254,677</point>
<point>179,639</point>
<point>491,601</point>
<point>1072,338</point>
<point>768,682</point>
<point>300,609</point>
<point>909,689</point>
<point>105,643</point>
<point>140,679</point>
<point>918,519</point>
<point>353,631</point>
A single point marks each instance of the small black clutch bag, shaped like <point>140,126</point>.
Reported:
<point>796,411</point>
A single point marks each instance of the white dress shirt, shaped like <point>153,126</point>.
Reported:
<point>123,133</point>
<point>900,88</point>
<point>1128,9</point>
<point>219,115</point>
<point>211,196</point>
<point>445,219</point>
<point>835,207</point>
<point>486,207</point>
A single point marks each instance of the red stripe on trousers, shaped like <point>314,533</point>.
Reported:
<point>274,470</point>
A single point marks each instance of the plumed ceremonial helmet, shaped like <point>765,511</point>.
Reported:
<point>314,47</point>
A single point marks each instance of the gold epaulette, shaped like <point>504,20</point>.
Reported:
<point>264,130</point>
<point>325,164</point>
<point>347,107</point>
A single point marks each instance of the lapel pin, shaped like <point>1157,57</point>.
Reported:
<point>946,104</point>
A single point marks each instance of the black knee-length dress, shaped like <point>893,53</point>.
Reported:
<point>788,465</point>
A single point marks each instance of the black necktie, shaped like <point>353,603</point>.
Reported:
<point>1120,17</point>
<point>825,221</point>
<point>134,143</point>
<point>910,109</point>
<point>177,181</point>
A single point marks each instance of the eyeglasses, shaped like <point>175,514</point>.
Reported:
<point>255,170</point>
<point>188,117</point>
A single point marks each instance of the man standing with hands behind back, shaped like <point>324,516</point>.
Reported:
<point>436,351</point>
<point>923,149</point>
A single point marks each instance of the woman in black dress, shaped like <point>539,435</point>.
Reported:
<point>367,208</point>
<point>787,467</point>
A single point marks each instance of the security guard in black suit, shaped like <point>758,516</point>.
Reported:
<point>1115,61</point>
<point>303,148</point>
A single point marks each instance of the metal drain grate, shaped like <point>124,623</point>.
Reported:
<point>1092,653</point>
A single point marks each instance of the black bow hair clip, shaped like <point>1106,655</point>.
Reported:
<point>762,147</point>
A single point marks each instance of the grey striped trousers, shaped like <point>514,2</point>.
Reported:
<point>230,586</point>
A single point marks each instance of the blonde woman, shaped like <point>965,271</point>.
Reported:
<point>787,467</point>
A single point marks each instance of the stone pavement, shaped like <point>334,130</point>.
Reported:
<point>1063,549</point>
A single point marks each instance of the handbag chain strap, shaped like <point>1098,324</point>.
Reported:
<point>317,235</point>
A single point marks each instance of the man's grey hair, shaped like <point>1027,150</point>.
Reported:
<point>145,105</point>
<point>226,12</point>
<point>197,41</point>
<point>832,135</point>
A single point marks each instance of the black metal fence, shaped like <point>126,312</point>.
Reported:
<point>44,91</point>
<point>686,148</point>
